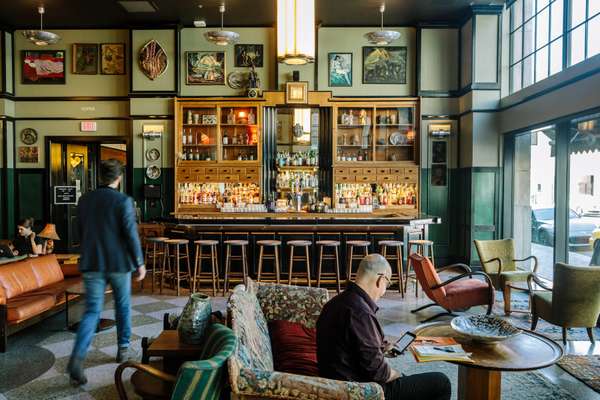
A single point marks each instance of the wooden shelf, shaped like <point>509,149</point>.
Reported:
<point>392,125</point>
<point>239,145</point>
<point>395,145</point>
<point>353,126</point>
<point>354,145</point>
<point>298,168</point>
<point>239,125</point>
<point>212,125</point>
<point>199,145</point>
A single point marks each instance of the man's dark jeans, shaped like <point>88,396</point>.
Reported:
<point>427,386</point>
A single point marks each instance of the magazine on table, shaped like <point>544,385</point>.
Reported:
<point>426,349</point>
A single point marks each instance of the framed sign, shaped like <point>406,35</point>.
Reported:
<point>296,92</point>
<point>65,194</point>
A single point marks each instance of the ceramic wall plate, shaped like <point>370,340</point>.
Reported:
<point>29,136</point>
<point>237,80</point>
<point>152,154</point>
<point>153,172</point>
<point>395,138</point>
<point>484,328</point>
<point>153,59</point>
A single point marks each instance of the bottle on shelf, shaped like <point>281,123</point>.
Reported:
<point>225,137</point>
<point>231,117</point>
<point>251,118</point>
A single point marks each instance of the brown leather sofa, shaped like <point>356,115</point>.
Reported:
<point>30,290</point>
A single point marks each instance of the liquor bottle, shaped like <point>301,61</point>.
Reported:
<point>251,118</point>
<point>190,139</point>
<point>225,138</point>
<point>184,138</point>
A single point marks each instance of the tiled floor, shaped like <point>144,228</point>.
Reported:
<point>147,313</point>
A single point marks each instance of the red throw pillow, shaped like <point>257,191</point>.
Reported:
<point>294,348</point>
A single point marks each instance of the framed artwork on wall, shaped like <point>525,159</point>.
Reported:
<point>84,58</point>
<point>28,154</point>
<point>112,58</point>
<point>43,67</point>
<point>153,59</point>
<point>205,67</point>
<point>247,55</point>
<point>340,69</point>
<point>386,65</point>
<point>296,92</point>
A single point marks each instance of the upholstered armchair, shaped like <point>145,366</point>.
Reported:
<point>457,293</point>
<point>572,302</point>
<point>498,261</point>
<point>203,379</point>
<point>251,370</point>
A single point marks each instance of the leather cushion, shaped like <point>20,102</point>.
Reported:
<point>24,307</point>
<point>29,274</point>
<point>294,348</point>
<point>466,293</point>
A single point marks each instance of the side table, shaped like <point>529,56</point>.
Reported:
<point>173,352</point>
<point>78,289</point>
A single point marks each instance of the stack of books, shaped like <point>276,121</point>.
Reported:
<point>426,349</point>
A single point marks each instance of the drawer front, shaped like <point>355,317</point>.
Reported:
<point>207,178</point>
<point>229,178</point>
<point>249,178</point>
<point>237,171</point>
<point>355,171</point>
<point>198,171</point>
<point>252,170</point>
<point>345,179</point>
<point>412,173</point>
<point>407,179</point>
<point>369,171</point>
<point>386,179</point>
<point>341,171</point>
<point>366,178</point>
<point>211,170</point>
<point>225,171</point>
<point>383,171</point>
<point>185,177</point>
<point>184,170</point>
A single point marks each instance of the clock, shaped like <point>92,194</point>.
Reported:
<point>29,136</point>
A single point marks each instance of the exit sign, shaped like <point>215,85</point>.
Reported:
<point>88,126</point>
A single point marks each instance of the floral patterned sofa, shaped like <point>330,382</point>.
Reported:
<point>251,372</point>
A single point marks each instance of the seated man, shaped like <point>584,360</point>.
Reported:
<point>350,343</point>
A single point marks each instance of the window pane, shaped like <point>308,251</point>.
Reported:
<point>529,33</point>
<point>541,4</point>
<point>556,25</point>
<point>515,74</point>
<point>594,8</point>
<point>541,64</point>
<point>577,12</point>
<point>556,55</point>
<point>528,71</point>
<point>542,30</point>
<point>529,8</point>
<point>584,192</point>
<point>516,14</point>
<point>593,36</point>
<point>517,45</point>
<point>533,201</point>
<point>577,43</point>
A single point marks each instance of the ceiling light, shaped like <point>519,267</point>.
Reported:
<point>296,31</point>
<point>221,37</point>
<point>382,37</point>
<point>41,37</point>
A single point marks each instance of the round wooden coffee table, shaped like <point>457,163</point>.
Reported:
<point>481,380</point>
<point>79,290</point>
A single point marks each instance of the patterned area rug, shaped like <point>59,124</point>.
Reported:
<point>584,368</point>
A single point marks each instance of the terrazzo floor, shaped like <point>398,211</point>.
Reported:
<point>42,376</point>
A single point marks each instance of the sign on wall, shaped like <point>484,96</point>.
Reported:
<point>65,194</point>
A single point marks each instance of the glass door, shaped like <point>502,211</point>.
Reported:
<point>199,135</point>
<point>354,135</point>
<point>395,134</point>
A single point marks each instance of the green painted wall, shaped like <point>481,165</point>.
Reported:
<point>30,201</point>
<point>466,54</point>
<point>168,80</point>
<point>439,59</point>
<point>486,48</point>
<point>10,85</point>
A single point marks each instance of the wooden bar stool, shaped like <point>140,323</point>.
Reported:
<point>423,247</point>
<point>155,248</point>
<point>275,257</point>
<point>323,244</point>
<point>350,245</point>
<point>242,244</point>
<point>397,257</point>
<point>173,252</point>
<point>213,275</point>
<point>306,258</point>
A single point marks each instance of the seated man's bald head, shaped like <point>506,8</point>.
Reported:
<point>371,267</point>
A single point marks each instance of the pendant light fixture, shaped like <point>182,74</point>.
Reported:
<point>41,37</point>
<point>296,31</point>
<point>221,37</point>
<point>382,37</point>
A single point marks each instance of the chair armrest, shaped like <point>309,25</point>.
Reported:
<point>498,260</point>
<point>157,373</point>
<point>282,385</point>
<point>535,262</point>
<point>534,279</point>
<point>457,265</point>
<point>465,275</point>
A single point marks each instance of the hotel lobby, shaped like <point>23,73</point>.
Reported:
<point>243,177</point>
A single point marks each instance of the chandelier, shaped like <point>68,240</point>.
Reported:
<point>41,37</point>
<point>382,37</point>
<point>221,37</point>
<point>296,31</point>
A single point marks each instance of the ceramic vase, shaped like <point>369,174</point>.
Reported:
<point>194,319</point>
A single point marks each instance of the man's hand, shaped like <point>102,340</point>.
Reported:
<point>394,375</point>
<point>140,274</point>
<point>387,346</point>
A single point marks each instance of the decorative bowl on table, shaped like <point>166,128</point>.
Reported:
<point>484,328</point>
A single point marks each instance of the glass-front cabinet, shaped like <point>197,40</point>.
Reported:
<point>198,136</point>
<point>395,134</point>
<point>354,134</point>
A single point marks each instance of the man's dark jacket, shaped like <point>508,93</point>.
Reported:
<point>108,232</point>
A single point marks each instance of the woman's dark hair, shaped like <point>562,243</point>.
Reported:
<point>26,222</point>
<point>110,170</point>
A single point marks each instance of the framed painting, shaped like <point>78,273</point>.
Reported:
<point>112,58</point>
<point>340,69</point>
<point>43,67</point>
<point>85,59</point>
<point>384,65</point>
<point>296,92</point>
<point>205,67</point>
<point>247,55</point>
<point>28,154</point>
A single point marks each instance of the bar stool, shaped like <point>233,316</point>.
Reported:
<point>397,257</point>
<point>173,252</point>
<point>275,257</point>
<point>212,276</point>
<point>323,244</point>
<point>229,258</point>
<point>350,245</point>
<point>306,258</point>
<point>154,248</point>
<point>420,245</point>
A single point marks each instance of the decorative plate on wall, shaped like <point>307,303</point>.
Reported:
<point>153,59</point>
<point>153,172</point>
<point>237,80</point>
<point>152,154</point>
<point>29,136</point>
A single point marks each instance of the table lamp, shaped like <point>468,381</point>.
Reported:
<point>49,232</point>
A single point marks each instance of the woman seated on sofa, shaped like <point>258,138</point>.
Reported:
<point>27,242</point>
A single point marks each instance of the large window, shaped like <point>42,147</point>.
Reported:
<point>584,30</point>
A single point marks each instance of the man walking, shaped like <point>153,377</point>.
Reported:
<point>110,252</point>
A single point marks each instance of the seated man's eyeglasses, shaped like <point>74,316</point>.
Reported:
<point>389,282</point>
